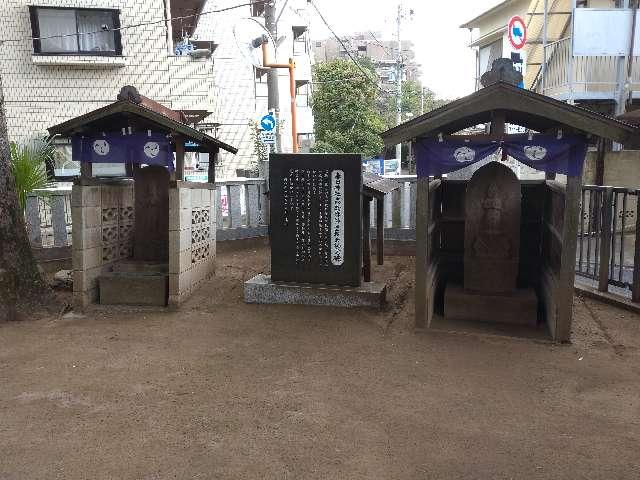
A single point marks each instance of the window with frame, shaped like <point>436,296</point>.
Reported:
<point>302,95</point>
<point>257,9</point>
<point>75,31</point>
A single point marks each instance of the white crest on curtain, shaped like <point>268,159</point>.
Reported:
<point>101,147</point>
<point>464,154</point>
<point>535,152</point>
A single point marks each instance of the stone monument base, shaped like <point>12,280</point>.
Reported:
<point>261,289</point>
<point>519,307</point>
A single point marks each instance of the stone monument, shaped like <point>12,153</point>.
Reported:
<point>316,234</point>
<point>491,253</point>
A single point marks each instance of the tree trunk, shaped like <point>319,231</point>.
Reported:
<point>20,278</point>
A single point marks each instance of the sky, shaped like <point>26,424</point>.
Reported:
<point>448,64</point>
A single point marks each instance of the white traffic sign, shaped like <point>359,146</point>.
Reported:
<point>268,138</point>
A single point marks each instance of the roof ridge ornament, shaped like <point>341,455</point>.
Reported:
<point>502,70</point>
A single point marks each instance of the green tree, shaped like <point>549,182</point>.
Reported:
<point>19,275</point>
<point>344,109</point>
<point>28,165</point>
<point>411,103</point>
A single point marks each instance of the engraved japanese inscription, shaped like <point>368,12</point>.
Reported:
<point>315,218</point>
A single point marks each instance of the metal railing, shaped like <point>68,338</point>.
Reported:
<point>608,239</point>
<point>587,77</point>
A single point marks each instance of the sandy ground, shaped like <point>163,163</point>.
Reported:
<point>225,390</point>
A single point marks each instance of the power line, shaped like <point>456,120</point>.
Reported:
<point>387,51</point>
<point>344,46</point>
<point>136,25</point>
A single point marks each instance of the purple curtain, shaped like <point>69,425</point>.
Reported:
<point>546,153</point>
<point>138,148</point>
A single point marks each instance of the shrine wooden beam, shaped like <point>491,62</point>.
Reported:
<point>498,122</point>
<point>380,230</point>
<point>422,253</point>
<point>366,238</point>
<point>86,170</point>
<point>567,274</point>
<point>213,159</point>
<point>179,173</point>
<point>600,162</point>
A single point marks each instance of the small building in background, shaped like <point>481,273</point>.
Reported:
<point>241,88</point>
<point>383,54</point>
<point>585,54</point>
<point>80,60</point>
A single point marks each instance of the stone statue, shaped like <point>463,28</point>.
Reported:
<point>492,230</point>
<point>491,241</point>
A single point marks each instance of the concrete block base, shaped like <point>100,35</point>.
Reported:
<point>134,288</point>
<point>516,308</point>
<point>261,289</point>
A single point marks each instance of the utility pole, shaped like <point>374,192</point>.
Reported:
<point>273,93</point>
<point>621,77</point>
<point>544,45</point>
<point>399,81</point>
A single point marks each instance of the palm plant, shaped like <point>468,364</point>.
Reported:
<point>28,164</point>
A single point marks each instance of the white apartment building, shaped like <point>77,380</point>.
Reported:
<point>72,70</point>
<point>68,73</point>
<point>241,88</point>
<point>585,52</point>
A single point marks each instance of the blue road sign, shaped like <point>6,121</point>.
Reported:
<point>268,122</point>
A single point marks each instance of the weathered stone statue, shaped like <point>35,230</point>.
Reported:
<point>491,253</point>
<point>492,230</point>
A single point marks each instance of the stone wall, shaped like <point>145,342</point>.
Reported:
<point>192,238</point>
<point>621,169</point>
<point>103,218</point>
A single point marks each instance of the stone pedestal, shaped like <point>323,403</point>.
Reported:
<point>261,289</point>
<point>518,307</point>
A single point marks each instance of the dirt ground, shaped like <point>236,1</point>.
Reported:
<point>224,390</point>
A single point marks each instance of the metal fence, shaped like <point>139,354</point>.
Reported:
<point>608,239</point>
<point>242,212</point>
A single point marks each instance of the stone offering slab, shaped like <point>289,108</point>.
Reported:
<point>519,307</point>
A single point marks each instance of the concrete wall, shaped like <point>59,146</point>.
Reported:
<point>192,239</point>
<point>499,19</point>
<point>103,219</point>
<point>621,169</point>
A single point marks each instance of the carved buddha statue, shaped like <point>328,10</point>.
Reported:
<point>491,240</point>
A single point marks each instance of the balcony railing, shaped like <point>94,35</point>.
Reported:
<point>582,78</point>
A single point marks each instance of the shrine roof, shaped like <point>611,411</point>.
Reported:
<point>376,186</point>
<point>125,113</point>
<point>519,107</point>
